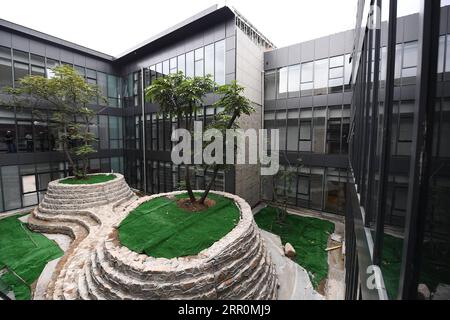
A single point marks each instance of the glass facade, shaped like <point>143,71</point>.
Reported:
<point>311,130</point>
<point>397,154</point>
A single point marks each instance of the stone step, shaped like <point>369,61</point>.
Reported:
<point>72,206</point>
<point>94,293</point>
<point>84,221</point>
<point>94,219</point>
<point>113,292</point>
<point>82,287</point>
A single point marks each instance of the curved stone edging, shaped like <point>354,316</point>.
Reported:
<point>96,266</point>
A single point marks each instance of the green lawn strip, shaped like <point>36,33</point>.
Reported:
<point>435,267</point>
<point>308,236</point>
<point>97,178</point>
<point>159,228</point>
<point>25,254</point>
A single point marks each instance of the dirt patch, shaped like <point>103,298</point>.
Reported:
<point>187,205</point>
<point>321,287</point>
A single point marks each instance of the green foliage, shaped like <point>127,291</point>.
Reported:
<point>180,97</point>
<point>25,255</point>
<point>159,228</point>
<point>308,236</point>
<point>67,96</point>
<point>90,179</point>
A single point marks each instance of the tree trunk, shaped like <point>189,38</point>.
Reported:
<point>216,166</point>
<point>187,166</point>
<point>188,184</point>
<point>208,188</point>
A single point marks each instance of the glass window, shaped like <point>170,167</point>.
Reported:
<point>316,186</point>
<point>181,63</point>
<point>219,64</point>
<point>410,55</point>
<point>37,65</point>
<point>91,74</point>
<point>306,79</point>
<point>209,60</point>
<point>103,131</point>
<point>199,67</point>
<point>102,82</point>
<point>81,71</point>
<point>337,61</point>
<point>159,70</point>
<point>20,70</point>
<point>305,136</point>
<point>336,72</point>
<point>281,125</point>
<point>113,91</point>
<point>294,81</point>
<point>282,82</point>
<point>270,85</point>
<point>115,132</point>
<point>11,187</point>
<point>348,72</point>
<point>190,64</point>
<point>292,130</point>
<point>29,194</point>
<point>166,67</point>
<point>50,65</point>
<point>441,54</point>
<point>319,130</point>
<point>5,67</point>
<point>321,77</point>
<point>173,65</point>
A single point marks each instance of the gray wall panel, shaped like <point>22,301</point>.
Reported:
<point>5,38</point>
<point>20,43</point>
<point>37,48</point>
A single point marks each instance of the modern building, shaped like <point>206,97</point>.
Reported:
<point>320,94</point>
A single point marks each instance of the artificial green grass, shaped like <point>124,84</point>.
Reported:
<point>98,178</point>
<point>308,236</point>
<point>25,254</point>
<point>435,267</point>
<point>159,228</point>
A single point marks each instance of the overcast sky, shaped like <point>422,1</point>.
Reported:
<point>114,26</point>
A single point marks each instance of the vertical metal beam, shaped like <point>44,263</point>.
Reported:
<point>366,120</point>
<point>374,119</point>
<point>387,128</point>
<point>421,155</point>
<point>144,147</point>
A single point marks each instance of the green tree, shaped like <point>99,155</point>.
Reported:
<point>234,105</point>
<point>67,96</point>
<point>180,97</point>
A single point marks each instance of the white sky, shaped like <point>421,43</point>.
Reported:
<point>114,26</point>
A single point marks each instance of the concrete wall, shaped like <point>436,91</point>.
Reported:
<point>249,73</point>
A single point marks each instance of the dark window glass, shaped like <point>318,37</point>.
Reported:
<point>5,67</point>
<point>270,85</point>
